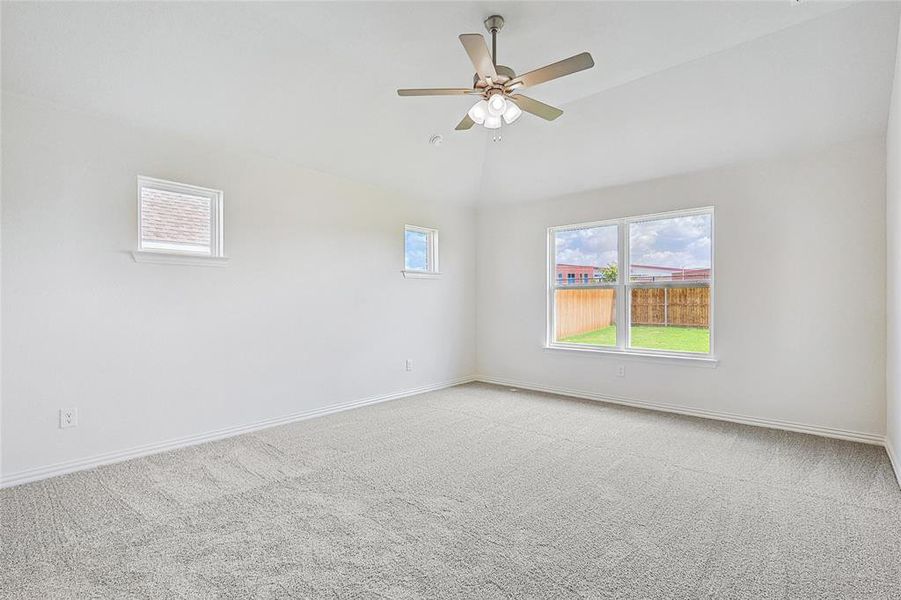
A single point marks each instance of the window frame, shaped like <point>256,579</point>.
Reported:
<point>163,255</point>
<point>431,253</point>
<point>623,288</point>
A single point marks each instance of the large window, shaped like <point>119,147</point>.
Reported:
<point>653,273</point>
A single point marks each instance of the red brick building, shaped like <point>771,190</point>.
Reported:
<point>576,274</point>
<point>584,274</point>
<point>658,273</point>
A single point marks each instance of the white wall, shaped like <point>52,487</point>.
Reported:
<point>312,310</point>
<point>800,296</point>
<point>893,272</point>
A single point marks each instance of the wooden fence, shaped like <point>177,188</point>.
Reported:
<point>584,310</point>
<point>579,311</point>
<point>686,307</point>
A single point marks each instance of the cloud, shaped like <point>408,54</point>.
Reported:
<point>595,246</point>
<point>681,242</point>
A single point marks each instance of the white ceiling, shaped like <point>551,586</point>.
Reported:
<point>676,87</point>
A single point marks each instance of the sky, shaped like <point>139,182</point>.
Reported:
<point>595,246</point>
<point>415,250</point>
<point>682,242</point>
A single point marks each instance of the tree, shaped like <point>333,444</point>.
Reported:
<point>610,273</point>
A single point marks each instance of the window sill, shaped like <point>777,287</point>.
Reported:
<point>172,258</point>
<point>709,362</point>
<point>421,275</point>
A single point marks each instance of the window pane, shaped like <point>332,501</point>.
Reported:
<point>586,316</point>
<point>673,249</point>
<point>175,221</point>
<point>416,251</point>
<point>586,256</point>
<point>671,318</point>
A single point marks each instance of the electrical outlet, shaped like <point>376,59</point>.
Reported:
<point>409,364</point>
<point>620,371</point>
<point>68,417</point>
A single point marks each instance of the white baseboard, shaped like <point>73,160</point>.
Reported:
<point>842,434</point>
<point>894,458</point>
<point>81,464</point>
<point>38,473</point>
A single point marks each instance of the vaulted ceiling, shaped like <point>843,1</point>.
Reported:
<point>676,86</point>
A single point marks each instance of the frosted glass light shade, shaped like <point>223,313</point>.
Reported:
<point>478,112</point>
<point>512,113</point>
<point>492,122</point>
<point>497,105</point>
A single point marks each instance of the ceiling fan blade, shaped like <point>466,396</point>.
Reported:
<point>435,92</point>
<point>478,53</point>
<point>466,123</point>
<point>567,66</point>
<point>539,109</point>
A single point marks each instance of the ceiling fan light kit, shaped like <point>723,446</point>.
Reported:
<point>498,86</point>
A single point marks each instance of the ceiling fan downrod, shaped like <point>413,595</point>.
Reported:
<point>493,24</point>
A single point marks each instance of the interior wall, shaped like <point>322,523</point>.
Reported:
<point>799,292</point>
<point>312,310</point>
<point>893,272</point>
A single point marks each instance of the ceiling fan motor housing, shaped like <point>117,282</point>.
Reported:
<point>504,73</point>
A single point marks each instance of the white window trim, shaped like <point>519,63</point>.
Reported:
<point>177,258</point>
<point>420,275</point>
<point>216,256</point>
<point>432,257</point>
<point>623,287</point>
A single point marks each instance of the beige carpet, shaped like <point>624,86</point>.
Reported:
<point>471,492</point>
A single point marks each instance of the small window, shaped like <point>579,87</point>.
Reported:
<point>420,251</point>
<point>175,218</point>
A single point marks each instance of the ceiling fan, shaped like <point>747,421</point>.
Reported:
<point>499,87</point>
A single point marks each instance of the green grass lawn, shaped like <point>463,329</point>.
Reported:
<point>678,339</point>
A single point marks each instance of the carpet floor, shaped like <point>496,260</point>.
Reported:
<point>471,492</point>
